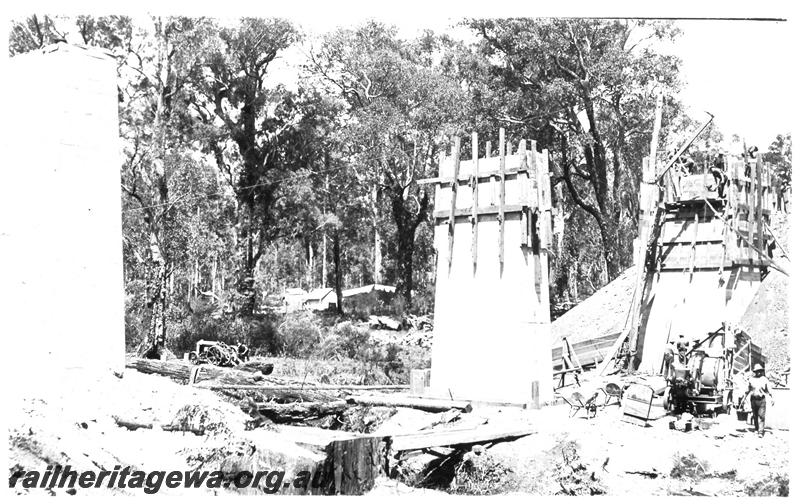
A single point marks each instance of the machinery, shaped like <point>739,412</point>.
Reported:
<point>701,381</point>
<point>215,353</point>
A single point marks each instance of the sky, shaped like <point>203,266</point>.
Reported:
<point>740,71</point>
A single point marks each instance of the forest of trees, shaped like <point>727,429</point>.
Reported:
<point>257,157</point>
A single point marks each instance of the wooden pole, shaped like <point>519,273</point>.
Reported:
<point>501,216</point>
<point>751,204</point>
<point>654,138</point>
<point>683,148</point>
<point>759,204</point>
<point>451,228</point>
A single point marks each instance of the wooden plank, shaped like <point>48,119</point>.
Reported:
<point>459,437</point>
<point>501,216</point>
<point>467,212</point>
<point>475,184</point>
<point>759,240</point>
<point>680,231</point>
<point>523,195</point>
<point>493,175</point>
<point>545,204</point>
<point>590,344</point>
<point>573,355</point>
<point>583,348</point>
<point>482,177</point>
<point>451,230</point>
<point>751,217</point>
<point>591,351</point>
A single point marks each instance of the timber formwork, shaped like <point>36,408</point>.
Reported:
<point>706,255</point>
<point>492,309</point>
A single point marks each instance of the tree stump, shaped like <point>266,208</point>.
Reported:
<point>352,465</point>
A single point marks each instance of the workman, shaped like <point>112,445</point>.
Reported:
<point>758,389</point>
<point>682,347</point>
<point>669,358</point>
<point>718,172</point>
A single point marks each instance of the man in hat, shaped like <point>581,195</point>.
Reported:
<point>758,388</point>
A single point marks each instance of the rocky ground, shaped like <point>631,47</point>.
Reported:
<point>609,456</point>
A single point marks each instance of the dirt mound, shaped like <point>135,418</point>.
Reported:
<point>600,314</point>
<point>766,319</point>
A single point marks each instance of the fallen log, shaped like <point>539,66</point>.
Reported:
<point>431,405</point>
<point>229,379</point>
<point>181,369</point>
<point>300,411</point>
<point>459,437</point>
<point>309,386</point>
<point>281,394</point>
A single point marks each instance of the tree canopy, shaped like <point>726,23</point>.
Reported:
<point>258,158</point>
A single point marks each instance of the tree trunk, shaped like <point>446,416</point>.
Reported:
<point>407,223</point>
<point>609,234</point>
<point>324,259</point>
<point>352,465</point>
<point>156,283</point>
<point>405,263</point>
<point>246,285</point>
<point>153,344</point>
<point>337,271</point>
<point>376,277</point>
<point>310,265</point>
